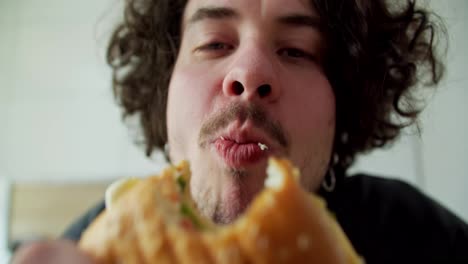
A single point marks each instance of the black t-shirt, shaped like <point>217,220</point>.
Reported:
<point>387,221</point>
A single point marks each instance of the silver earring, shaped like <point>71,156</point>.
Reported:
<point>330,185</point>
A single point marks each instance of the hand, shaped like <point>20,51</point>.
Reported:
<point>58,251</point>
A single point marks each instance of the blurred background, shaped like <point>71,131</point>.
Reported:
<point>61,134</point>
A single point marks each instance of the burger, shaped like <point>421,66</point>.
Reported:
<point>155,220</point>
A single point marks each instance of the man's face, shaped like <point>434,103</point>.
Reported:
<point>248,72</point>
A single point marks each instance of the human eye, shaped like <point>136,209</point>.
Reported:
<point>215,46</point>
<point>295,54</point>
<point>214,49</point>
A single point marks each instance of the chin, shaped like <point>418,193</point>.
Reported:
<point>238,190</point>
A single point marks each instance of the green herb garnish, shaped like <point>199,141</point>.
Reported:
<point>187,211</point>
<point>182,183</point>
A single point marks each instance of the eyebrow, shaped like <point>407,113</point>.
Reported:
<point>300,20</point>
<point>213,13</point>
<point>219,13</point>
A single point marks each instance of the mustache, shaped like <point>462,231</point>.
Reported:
<point>243,112</point>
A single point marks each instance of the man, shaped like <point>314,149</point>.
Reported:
<point>316,81</point>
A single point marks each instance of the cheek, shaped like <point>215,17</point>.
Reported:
<point>189,100</point>
<point>311,109</point>
<point>310,117</point>
<point>316,115</point>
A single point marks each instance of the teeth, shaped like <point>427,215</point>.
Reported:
<point>222,138</point>
<point>262,146</point>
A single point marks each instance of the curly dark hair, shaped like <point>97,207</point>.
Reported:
<point>377,55</point>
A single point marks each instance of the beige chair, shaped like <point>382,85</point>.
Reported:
<point>44,210</point>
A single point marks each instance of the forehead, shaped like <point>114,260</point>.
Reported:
<point>259,9</point>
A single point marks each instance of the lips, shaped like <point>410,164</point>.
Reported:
<point>238,151</point>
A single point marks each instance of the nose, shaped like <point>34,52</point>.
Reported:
<point>252,75</point>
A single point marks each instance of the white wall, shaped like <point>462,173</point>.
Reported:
<point>445,148</point>
<point>59,120</point>
<point>437,162</point>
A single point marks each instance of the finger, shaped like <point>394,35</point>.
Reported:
<point>51,252</point>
